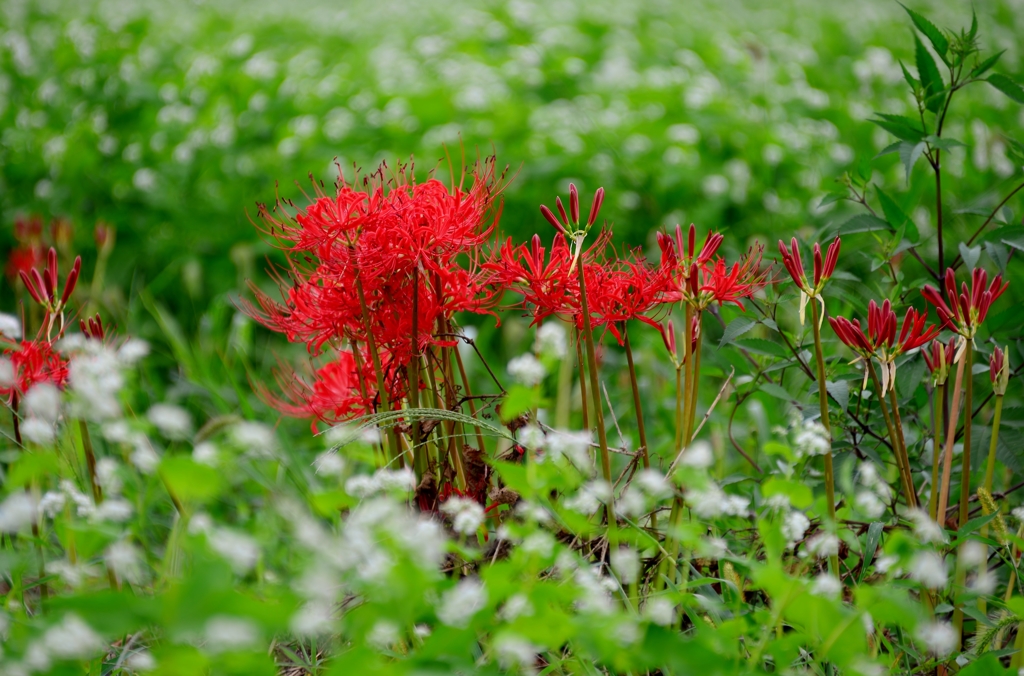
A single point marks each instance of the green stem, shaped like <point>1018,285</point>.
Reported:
<point>908,488</point>
<point>897,423</point>
<point>830,486</point>
<point>469,398</point>
<point>577,339</point>
<point>990,467</point>
<point>947,460</point>
<point>419,453</point>
<point>641,430</point>
<point>602,437</point>
<point>965,473</point>
<point>937,396</point>
<point>382,390</point>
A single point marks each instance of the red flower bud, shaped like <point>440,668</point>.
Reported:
<point>574,204</point>
<point>550,217</point>
<point>595,206</point>
<point>561,209</point>
<point>818,264</point>
<point>69,283</point>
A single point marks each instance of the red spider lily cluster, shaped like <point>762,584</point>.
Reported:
<point>823,267</point>
<point>968,308</point>
<point>939,359</point>
<point>881,339</point>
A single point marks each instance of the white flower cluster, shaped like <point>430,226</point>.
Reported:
<point>590,496</point>
<point>41,407</point>
<point>647,488</point>
<point>383,480</point>
<point>711,501</point>
<point>876,493</point>
<point>551,340</point>
<point>467,514</point>
<point>527,370</point>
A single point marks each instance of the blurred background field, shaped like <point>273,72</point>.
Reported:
<point>170,120</point>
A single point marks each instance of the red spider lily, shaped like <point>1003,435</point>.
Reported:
<point>999,371</point>
<point>823,269</point>
<point>43,287</point>
<point>32,362</point>
<point>390,260</point>
<point>668,336</point>
<point>722,284</point>
<point>678,257</point>
<point>336,394</point>
<point>569,224</point>
<point>881,340</point>
<point>22,259</point>
<point>968,309</point>
<point>939,359</point>
<point>92,327</point>
<point>621,290</point>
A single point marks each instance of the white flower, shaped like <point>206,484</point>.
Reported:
<point>314,618</point>
<point>52,503</point>
<point>973,553</point>
<point>330,463</point>
<point>826,585</point>
<point>126,561</point>
<point>132,351</point>
<point>531,437</point>
<point>113,509</point>
<point>38,431</point>
<point>459,604</point>
<point>712,548</point>
<point>10,326</point>
<point>516,606</point>
<point>200,523</point>
<point>72,638</point>
<point>884,563</point>
<point>206,453</point>
<point>467,514</point>
<point>361,486</point>
<point>144,457</point>
<point>812,438</point>
<point>654,483</point>
<point>551,340</point>
<point>225,632</point>
<point>590,497</point>
<point>926,530</point>
<point>173,421</point>
<point>396,479</point>
<point>526,370</point>
<point>95,380</point>
<point>512,650</point>
<point>256,438</point>
<point>240,550</point>
<point>43,401</point>
<point>698,455</point>
<point>712,501</point>
<point>538,542</point>
<point>626,564</point>
<point>383,634</point>
<point>73,574</point>
<point>1018,513</point>
<point>141,661</point>
<point>117,432</point>
<point>660,611</point>
<point>938,637</point>
<point>929,569</point>
<point>6,373</point>
<point>17,511</point>
<point>107,474</point>
<point>573,445</point>
<point>868,503</point>
<point>823,545</point>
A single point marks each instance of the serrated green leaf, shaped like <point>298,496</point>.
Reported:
<point>1007,86</point>
<point>931,79</point>
<point>910,154</point>
<point>901,127</point>
<point>863,223</point>
<point>930,31</point>
<point>735,329</point>
<point>889,149</point>
<point>985,65</point>
<point>776,391</point>
<point>768,348</point>
<point>832,198</point>
<point>840,391</point>
<point>871,545</point>
<point>896,216</point>
<point>944,143</point>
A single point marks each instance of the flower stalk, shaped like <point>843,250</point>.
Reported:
<point>830,487</point>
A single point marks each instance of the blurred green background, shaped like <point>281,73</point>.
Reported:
<point>170,120</point>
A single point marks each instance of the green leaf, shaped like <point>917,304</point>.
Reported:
<point>910,154</point>
<point>875,531</point>
<point>931,80</point>
<point>735,329</point>
<point>761,346</point>
<point>776,391</point>
<point>896,216</point>
<point>909,375</point>
<point>840,391</point>
<point>944,143</point>
<point>930,31</point>
<point>799,494</point>
<point>889,149</point>
<point>914,83</point>
<point>519,400</point>
<point>986,665</point>
<point>832,197</point>
<point>1007,86</point>
<point>985,65</point>
<point>190,481</point>
<point>863,223</point>
<point>899,126</point>
<point>970,255</point>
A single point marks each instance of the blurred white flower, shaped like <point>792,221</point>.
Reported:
<point>126,561</point>
<point>512,650</point>
<point>531,437</point>
<point>698,455</point>
<point>173,421</point>
<point>467,514</point>
<point>712,501</point>
<point>314,618</point>
<point>823,545</point>
<point>18,510</point>
<point>141,660</point>
<point>255,438</point>
<point>653,483</point>
<point>38,431</point>
<point>660,611</point>
<point>144,457</point>
<point>6,373</point>
<point>10,326</point>
<point>590,497</point>
<point>926,530</point>
<point>626,564</point>
<point>459,604</point>
<point>52,503</point>
<point>973,553</point>
<point>238,549</point>
<point>526,370</point>
<point>396,479</point>
<point>71,639</point>
<point>929,569</point>
<point>574,445</point>
<point>826,585</point>
<point>206,453</point>
<point>551,340</point>
<point>938,637</point>
<point>361,486</point>
<point>794,526</point>
<point>132,350</point>
<point>227,633</point>
<point>811,438</point>
<point>108,477</point>
<point>116,510</point>
<point>330,463</point>
<point>383,634</point>
<point>868,503</point>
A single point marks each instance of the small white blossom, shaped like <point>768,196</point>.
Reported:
<point>571,444</point>
<point>626,564</point>
<point>330,463</point>
<point>926,530</point>
<point>512,650</point>
<point>255,438</point>
<point>43,401</point>
<point>826,585</point>
<point>396,479</point>
<point>526,370</point>
<point>1018,513</point>
<point>225,632</point>
<point>467,514</point>
<point>52,503</point>
<point>929,569</point>
<point>712,548</point>
<point>38,431</point>
<point>115,510</point>
<point>141,661</point>
<point>10,326</point>
<point>517,605</point>
<point>314,618</point>
<point>590,497</point>
<point>551,340</point>
<point>126,561</point>
<point>884,563</point>
<point>868,503</point>
<point>132,351</point>
<point>459,604</point>
<point>6,373</point>
<point>383,634</point>
<point>107,474</point>
<point>811,438</point>
<point>206,453</point>
<point>173,421</point>
<point>362,486</point>
<point>654,483</point>
<point>531,437</point>
<point>72,638</point>
<point>144,457</point>
<point>938,637</point>
<point>712,501</point>
<point>18,511</point>
<point>660,611</point>
<point>698,455</point>
<point>240,550</point>
<point>823,545</point>
<point>973,554</point>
